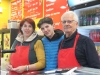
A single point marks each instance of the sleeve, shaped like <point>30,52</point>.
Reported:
<point>14,44</point>
<point>92,56</point>
<point>39,49</point>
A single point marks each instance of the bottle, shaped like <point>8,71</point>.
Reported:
<point>88,17</point>
<point>81,18</point>
<point>97,34</point>
<point>96,16</point>
<point>84,18</point>
<point>91,16</point>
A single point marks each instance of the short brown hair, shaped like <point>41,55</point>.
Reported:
<point>47,20</point>
<point>29,20</point>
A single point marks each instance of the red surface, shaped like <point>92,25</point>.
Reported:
<point>16,10</point>
<point>33,8</point>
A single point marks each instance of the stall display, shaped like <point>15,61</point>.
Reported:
<point>6,41</point>
<point>8,37</point>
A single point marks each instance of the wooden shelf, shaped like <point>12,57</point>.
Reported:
<point>89,27</point>
<point>97,43</point>
<point>5,31</point>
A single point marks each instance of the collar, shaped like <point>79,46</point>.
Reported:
<point>71,37</point>
<point>20,37</point>
<point>58,34</point>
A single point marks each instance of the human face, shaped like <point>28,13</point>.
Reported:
<point>27,29</point>
<point>47,29</point>
<point>69,24</point>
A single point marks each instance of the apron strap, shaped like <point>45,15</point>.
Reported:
<point>61,44</point>
<point>32,51</point>
<point>76,39</point>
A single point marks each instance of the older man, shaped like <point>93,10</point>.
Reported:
<point>76,50</point>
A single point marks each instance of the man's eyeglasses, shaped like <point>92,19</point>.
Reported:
<point>68,21</point>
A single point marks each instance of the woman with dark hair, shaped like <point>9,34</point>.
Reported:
<point>29,55</point>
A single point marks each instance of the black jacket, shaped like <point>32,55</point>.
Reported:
<point>85,52</point>
<point>58,34</point>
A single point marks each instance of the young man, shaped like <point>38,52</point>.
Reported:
<point>51,41</point>
<point>76,50</point>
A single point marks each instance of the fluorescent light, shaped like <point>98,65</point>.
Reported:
<point>0,0</point>
<point>0,9</point>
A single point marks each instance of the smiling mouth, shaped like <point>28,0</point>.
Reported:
<point>67,27</point>
<point>46,33</point>
<point>27,33</point>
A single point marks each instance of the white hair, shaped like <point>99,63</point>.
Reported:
<point>70,12</point>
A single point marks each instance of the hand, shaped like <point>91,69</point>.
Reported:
<point>19,69</point>
<point>9,67</point>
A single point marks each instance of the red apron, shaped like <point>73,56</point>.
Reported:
<point>19,58</point>
<point>67,58</point>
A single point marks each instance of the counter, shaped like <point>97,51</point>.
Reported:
<point>75,71</point>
